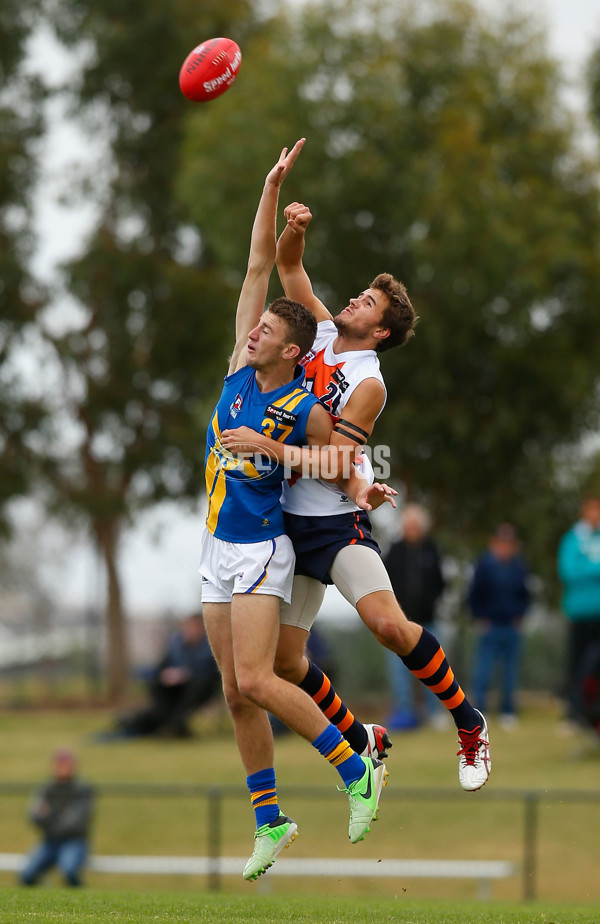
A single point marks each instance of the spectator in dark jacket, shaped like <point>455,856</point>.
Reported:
<point>186,678</point>
<point>414,565</point>
<point>62,809</point>
<point>499,597</point>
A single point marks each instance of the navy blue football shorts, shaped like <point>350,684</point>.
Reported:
<point>317,540</point>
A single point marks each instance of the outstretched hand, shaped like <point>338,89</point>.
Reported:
<point>285,163</point>
<point>374,495</point>
<point>298,216</point>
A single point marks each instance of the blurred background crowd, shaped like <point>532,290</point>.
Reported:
<point>447,144</point>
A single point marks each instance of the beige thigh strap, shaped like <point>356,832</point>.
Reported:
<point>307,597</point>
<point>358,570</point>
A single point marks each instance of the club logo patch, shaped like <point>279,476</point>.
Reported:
<point>236,407</point>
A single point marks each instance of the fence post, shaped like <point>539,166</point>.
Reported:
<point>215,818</point>
<point>530,846</point>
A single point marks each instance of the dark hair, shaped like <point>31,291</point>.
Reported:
<point>300,322</point>
<point>399,315</point>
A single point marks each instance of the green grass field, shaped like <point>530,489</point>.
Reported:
<point>90,907</point>
<point>466,826</point>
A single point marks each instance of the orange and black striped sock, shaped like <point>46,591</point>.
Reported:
<point>319,687</point>
<point>429,664</point>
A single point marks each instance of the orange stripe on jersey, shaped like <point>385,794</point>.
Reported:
<point>455,701</point>
<point>432,667</point>
<point>445,684</point>
<point>331,710</point>
<point>318,377</point>
<point>325,688</point>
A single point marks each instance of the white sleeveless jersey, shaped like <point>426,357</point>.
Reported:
<point>332,377</point>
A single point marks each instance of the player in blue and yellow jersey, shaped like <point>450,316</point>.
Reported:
<point>243,493</point>
<point>329,530</point>
<point>247,560</point>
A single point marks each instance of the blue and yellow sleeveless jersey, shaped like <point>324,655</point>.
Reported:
<point>243,493</point>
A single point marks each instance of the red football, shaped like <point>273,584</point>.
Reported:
<point>210,69</point>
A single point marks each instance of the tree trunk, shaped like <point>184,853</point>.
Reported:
<point>117,672</point>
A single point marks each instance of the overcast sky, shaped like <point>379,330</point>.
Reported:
<point>160,557</point>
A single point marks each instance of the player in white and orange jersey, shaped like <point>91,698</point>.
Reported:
<point>331,535</point>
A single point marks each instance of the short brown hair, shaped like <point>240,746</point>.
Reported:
<point>300,322</point>
<point>399,315</point>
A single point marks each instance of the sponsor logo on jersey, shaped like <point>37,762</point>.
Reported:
<point>281,415</point>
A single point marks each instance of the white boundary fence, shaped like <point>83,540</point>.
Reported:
<point>483,871</point>
<point>214,865</point>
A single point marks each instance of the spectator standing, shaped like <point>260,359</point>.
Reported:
<point>579,571</point>
<point>498,597</point>
<point>62,809</point>
<point>414,565</point>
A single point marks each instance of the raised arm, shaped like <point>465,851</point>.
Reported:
<point>253,293</point>
<point>290,250</point>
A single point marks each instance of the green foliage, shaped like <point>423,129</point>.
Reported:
<point>20,125</point>
<point>145,361</point>
<point>438,149</point>
<point>593,79</point>
<point>149,354</point>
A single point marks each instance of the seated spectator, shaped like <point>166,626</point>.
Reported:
<point>62,809</point>
<point>185,679</point>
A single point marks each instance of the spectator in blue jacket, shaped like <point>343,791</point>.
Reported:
<point>579,571</point>
<point>499,597</point>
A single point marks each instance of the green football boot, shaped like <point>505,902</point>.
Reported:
<point>364,798</point>
<point>269,841</point>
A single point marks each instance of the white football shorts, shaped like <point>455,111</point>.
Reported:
<point>228,568</point>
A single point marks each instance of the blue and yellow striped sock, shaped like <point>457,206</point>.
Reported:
<point>263,796</point>
<point>338,752</point>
